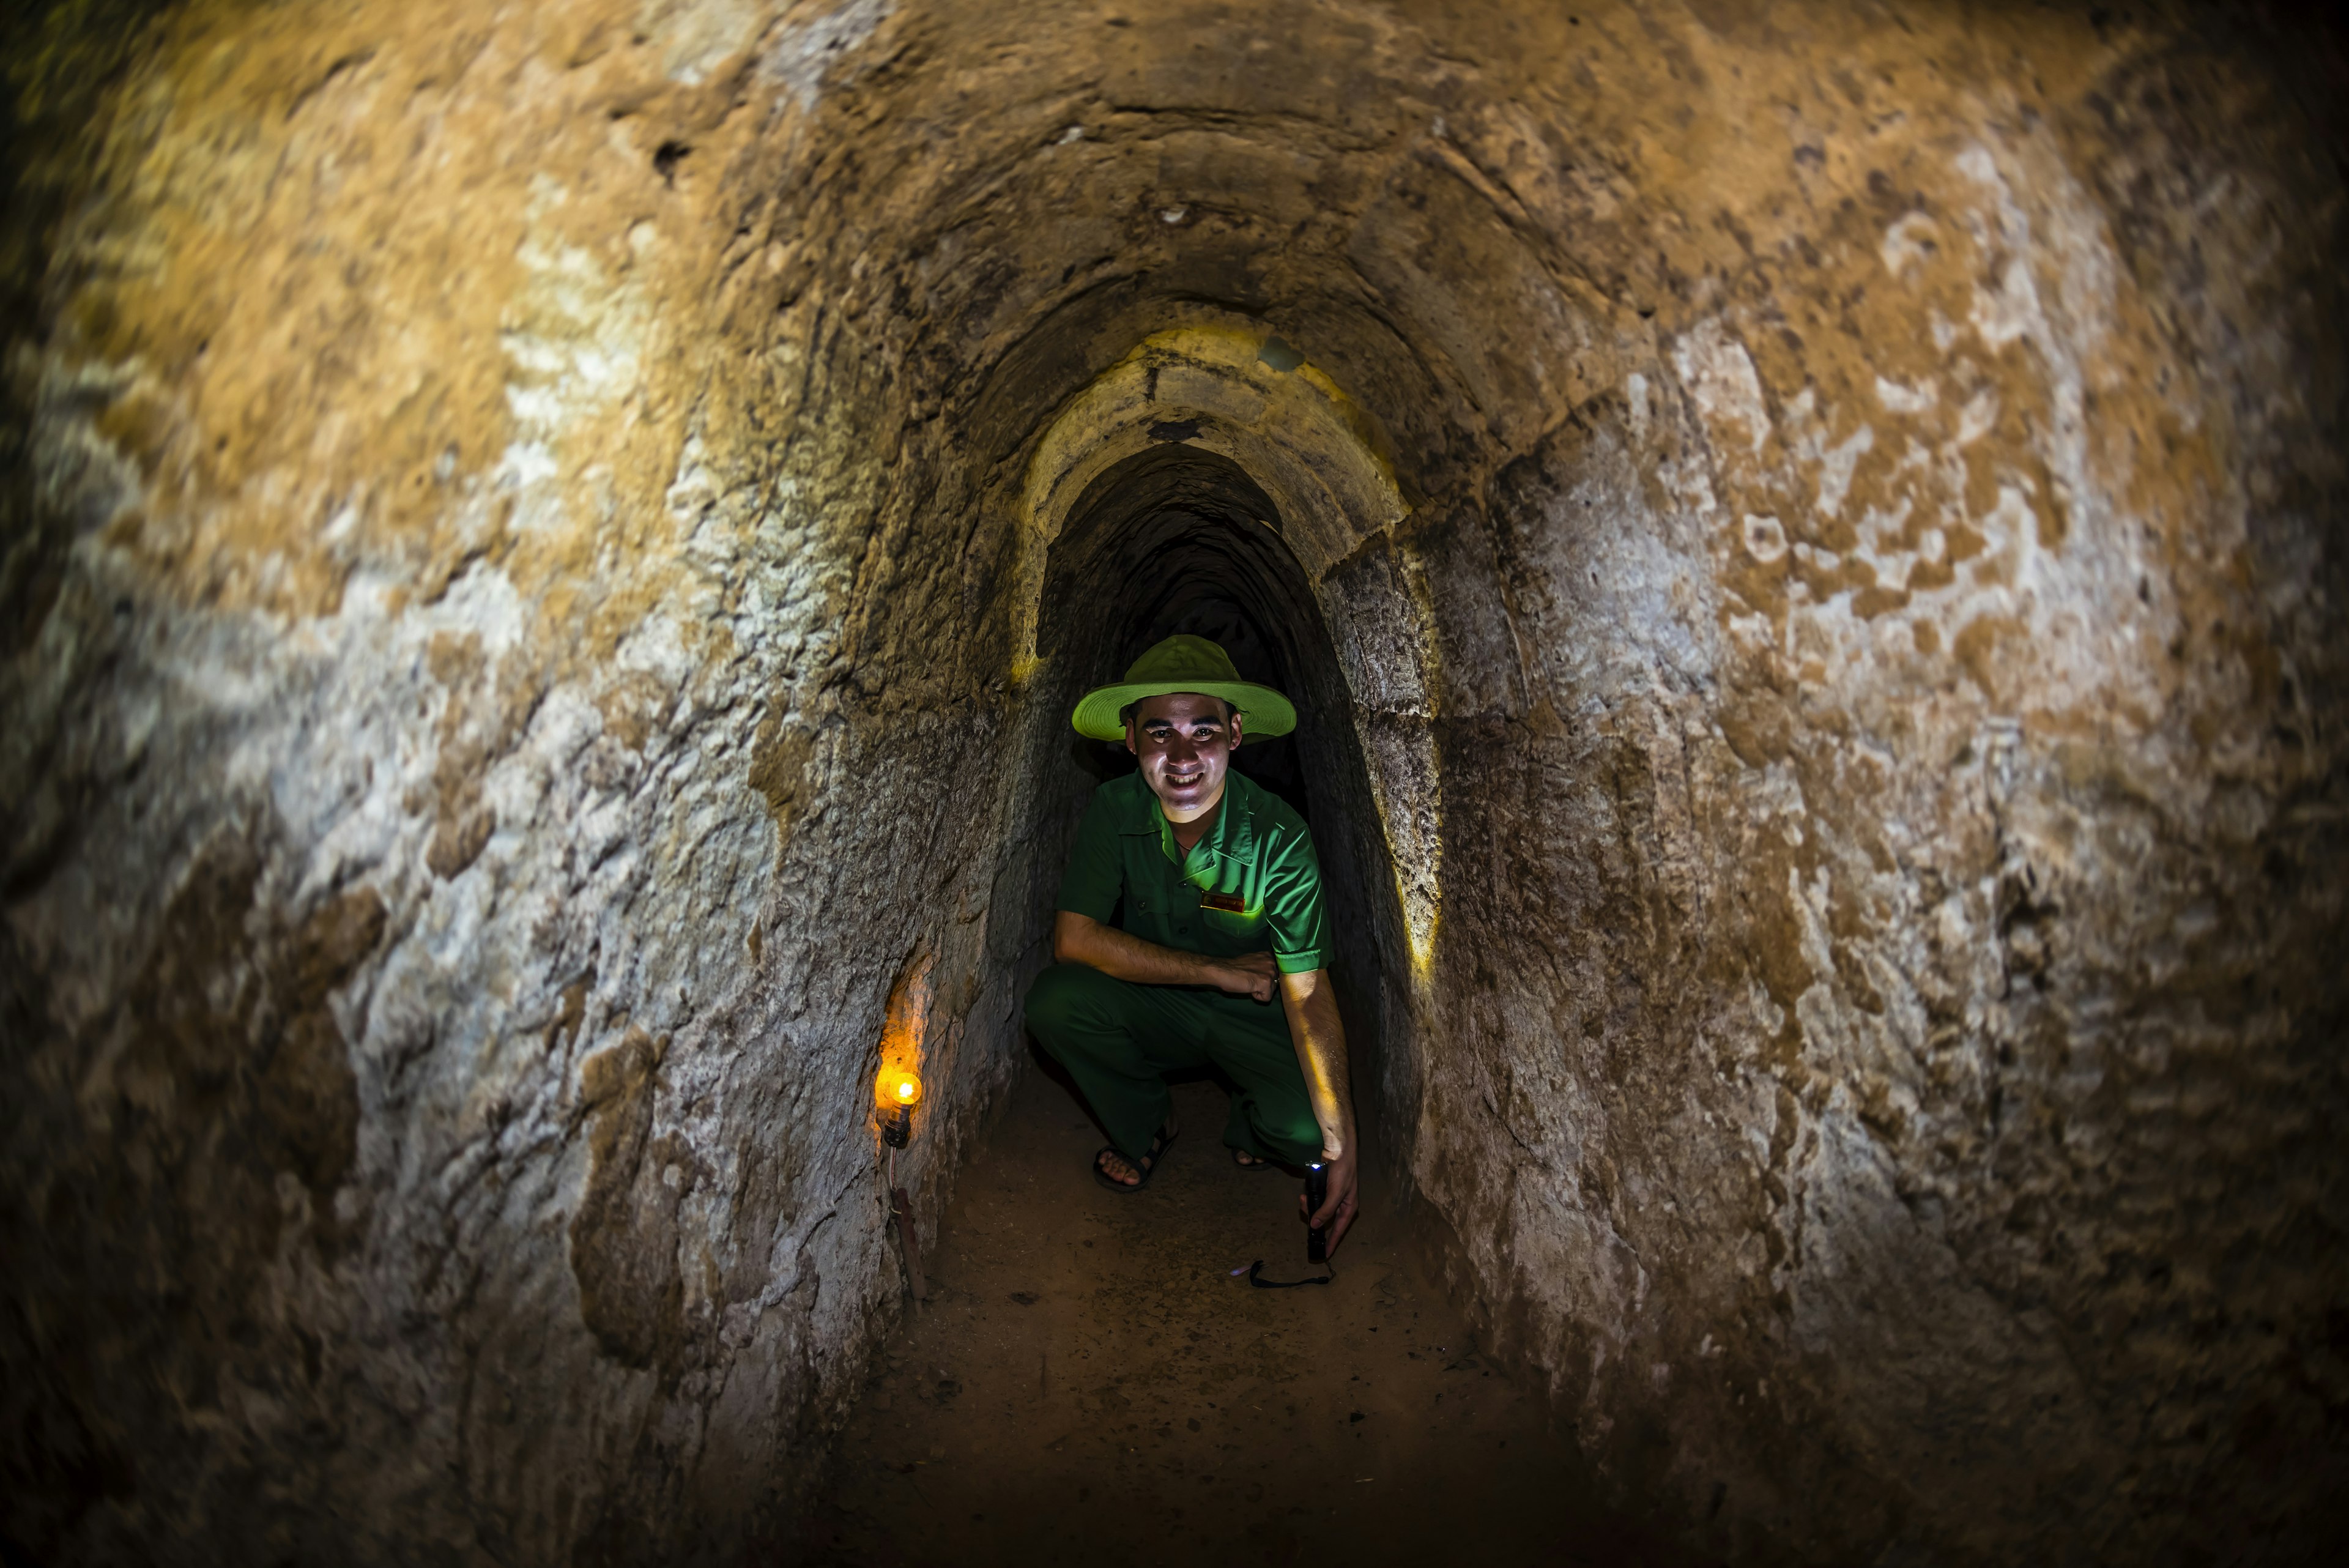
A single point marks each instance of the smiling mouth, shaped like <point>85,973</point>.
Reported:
<point>1179,778</point>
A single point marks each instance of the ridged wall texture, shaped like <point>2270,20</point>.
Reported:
<point>528,613</point>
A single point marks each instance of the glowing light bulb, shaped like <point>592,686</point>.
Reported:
<point>897,1088</point>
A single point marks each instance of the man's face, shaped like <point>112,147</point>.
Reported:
<point>1184,744</point>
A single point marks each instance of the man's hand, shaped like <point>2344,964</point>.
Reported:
<point>1338,1210</point>
<point>1321,1041</point>
<point>1250,974</point>
<point>1079,939</point>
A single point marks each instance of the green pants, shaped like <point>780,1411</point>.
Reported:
<point>1118,1040</point>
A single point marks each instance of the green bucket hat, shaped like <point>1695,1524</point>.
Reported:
<point>1184,663</point>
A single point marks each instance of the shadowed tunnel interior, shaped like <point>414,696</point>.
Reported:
<point>1178,541</point>
<point>1175,539</point>
<point>549,551</point>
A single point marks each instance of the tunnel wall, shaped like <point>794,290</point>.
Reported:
<point>1908,980</point>
<point>477,766</point>
<point>517,566</point>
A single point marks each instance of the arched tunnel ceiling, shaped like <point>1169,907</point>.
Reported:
<point>1811,533</point>
<point>1299,185</point>
<point>1162,522</point>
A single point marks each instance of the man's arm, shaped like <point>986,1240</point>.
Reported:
<point>1081,939</point>
<point>1321,1041</point>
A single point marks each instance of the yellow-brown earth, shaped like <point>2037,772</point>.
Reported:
<point>548,550</point>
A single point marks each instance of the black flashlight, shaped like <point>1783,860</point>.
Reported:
<point>1317,1193</point>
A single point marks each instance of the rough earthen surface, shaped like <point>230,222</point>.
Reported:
<point>547,545</point>
<point>1095,1380</point>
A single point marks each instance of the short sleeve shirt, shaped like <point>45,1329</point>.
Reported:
<point>1251,884</point>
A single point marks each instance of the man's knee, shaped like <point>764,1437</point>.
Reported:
<point>1064,1000</point>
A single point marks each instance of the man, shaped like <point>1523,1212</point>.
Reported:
<point>1222,896</point>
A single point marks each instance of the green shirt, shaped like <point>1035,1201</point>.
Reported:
<point>1257,858</point>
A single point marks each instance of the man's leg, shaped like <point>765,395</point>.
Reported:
<point>1271,1115</point>
<point>1118,1040</point>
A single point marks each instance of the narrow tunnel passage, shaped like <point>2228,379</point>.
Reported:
<point>546,552</point>
<point>1094,1380</point>
<point>1095,1376</point>
<point>1180,539</point>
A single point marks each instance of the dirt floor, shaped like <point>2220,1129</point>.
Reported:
<point>1093,1380</point>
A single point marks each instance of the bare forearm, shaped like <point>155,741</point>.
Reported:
<point>1320,1040</point>
<point>1122,956</point>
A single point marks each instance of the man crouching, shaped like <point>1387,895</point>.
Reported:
<point>1222,896</point>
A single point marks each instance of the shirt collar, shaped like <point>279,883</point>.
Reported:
<point>1233,836</point>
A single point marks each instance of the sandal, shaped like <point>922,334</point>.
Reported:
<point>1147,1164</point>
<point>1247,1160</point>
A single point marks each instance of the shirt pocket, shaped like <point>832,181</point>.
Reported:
<point>1234,925</point>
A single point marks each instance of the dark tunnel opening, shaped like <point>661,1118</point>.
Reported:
<point>1186,542</point>
<point>555,550</point>
<point>1180,539</point>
